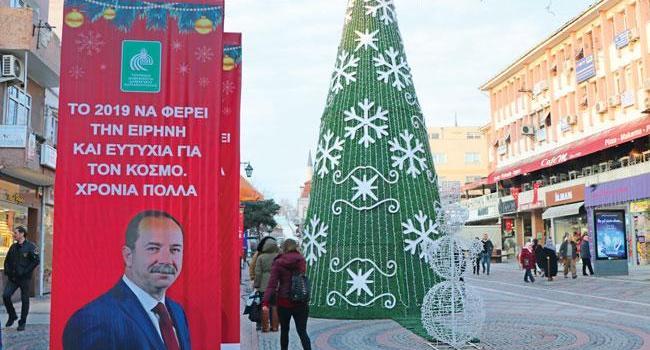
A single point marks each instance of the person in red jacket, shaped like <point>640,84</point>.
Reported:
<point>527,260</point>
<point>284,266</point>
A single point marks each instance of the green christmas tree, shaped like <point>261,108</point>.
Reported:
<point>374,196</point>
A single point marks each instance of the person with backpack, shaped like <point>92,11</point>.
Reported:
<point>290,286</point>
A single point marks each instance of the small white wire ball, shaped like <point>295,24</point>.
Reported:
<point>453,313</point>
<point>447,257</point>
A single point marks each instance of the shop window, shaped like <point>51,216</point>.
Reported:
<point>439,158</point>
<point>51,124</point>
<point>472,158</point>
<point>19,107</point>
<point>473,135</point>
<point>10,217</point>
<point>435,136</point>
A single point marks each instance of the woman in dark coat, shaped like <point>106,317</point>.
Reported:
<point>538,250</point>
<point>549,259</point>
<point>284,266</point>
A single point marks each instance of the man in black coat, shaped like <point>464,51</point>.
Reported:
<point>20,262</point>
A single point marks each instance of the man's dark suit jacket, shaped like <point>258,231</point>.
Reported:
<point>117,321</point>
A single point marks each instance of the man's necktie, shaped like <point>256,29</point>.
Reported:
<point>166,327</point>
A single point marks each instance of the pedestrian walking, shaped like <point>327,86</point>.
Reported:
<point>585,255</point>
<point>527,260</point>
<point>488,247</point>
<point>265,259</point>
<point>568,254</point>
<point>537,251</point>
<point>549,259</point>
<point>252,270</point>
<point>477,262</point>
<point>22,258</point>
<point>285,265</point>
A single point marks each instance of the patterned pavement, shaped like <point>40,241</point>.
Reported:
<point>589,313</point>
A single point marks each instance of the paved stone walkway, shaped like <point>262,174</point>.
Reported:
<point>589,313</point>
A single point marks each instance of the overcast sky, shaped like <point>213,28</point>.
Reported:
<point>289,50</point>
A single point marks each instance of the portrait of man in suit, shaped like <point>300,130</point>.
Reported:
<point>135,313</point>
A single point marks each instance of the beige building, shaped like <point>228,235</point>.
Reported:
<point>30,53</point>
<point>460,153</point>
<point>568,119</point>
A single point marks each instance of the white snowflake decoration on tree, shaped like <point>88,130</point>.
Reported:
<point>326,155</point>
<point>392,66</point>
<point>344,72</point>
<point>366,122</point>
<point>359,282</point>
<point>76,72</point>
<point>89,43</point>
<point>408,154</point>
<point>313,247</point>
<point>366,39</point>
<point>365,187</point>
<point>384,8</point>
<point>425,229</point>
<point>204,54</point>
<point>348,11</point>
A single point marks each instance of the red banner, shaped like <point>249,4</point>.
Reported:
<point>514,191</point>
<point>535,192</point>
<point>229,187</point>
<point>137,265</point>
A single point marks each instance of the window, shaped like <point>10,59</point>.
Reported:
<point>19,106</point>
<point>17,3</point>
<point>51,123</point>
<point>472,158</point>
<point>439,158</point>
<point>435,135</point>
<point>473,135</point>
<point>470,179</point>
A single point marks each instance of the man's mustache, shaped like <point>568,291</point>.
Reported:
<point>167,269</point>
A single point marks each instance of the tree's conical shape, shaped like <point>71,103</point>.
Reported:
<point>374,193</point>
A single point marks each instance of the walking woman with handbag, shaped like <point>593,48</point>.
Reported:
<point>262,275</point>
<point>289,263</point>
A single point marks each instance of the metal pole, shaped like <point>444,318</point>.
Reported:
<point>41,269</point>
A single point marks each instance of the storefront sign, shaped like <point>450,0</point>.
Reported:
<point>508,224</point>
<point>622,39</point>
<point>585,69</point>
<point>483,211</point>
<point>619,191</point>
<point>507,207</point>
<point>140,107</point>
<point>566,195</point>
<point>640,206</point>
<point>31,147</point>
<point>611,243</point>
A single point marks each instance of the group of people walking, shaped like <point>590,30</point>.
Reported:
<point>535,257</point>
<point>272,270</point>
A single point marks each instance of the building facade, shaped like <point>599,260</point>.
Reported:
<point>569,116</point>
<point>29,81</point>
<point>459,153</point>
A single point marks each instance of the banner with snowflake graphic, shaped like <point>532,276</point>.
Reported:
<point>374,194</point>
<point>137,177</point>
<point>229,186</point>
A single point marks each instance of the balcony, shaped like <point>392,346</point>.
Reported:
<point>21,156</point>
<point>39,49</point>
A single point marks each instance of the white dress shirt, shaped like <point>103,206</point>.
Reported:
<point>147,301</point>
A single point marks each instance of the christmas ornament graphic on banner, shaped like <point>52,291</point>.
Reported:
<point>374,195</point>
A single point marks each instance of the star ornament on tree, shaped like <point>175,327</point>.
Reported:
<point>364,188</point>
<point>359,282</point>
<point>366,39</point>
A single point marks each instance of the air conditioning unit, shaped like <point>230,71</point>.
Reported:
<point>645,107</point>
<point>12,68</point>
<point>571,119</point>
<point>614,101</point>
<point>646,84</point>
<point>601,107</point>
<point>527,130</point>
<point>540,87</point>
<point>633,34</point>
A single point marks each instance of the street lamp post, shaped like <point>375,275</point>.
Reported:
<point>248,169</point>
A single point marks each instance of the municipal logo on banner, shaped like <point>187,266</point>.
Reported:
<point>140,66</point>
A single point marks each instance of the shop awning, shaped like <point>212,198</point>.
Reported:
<point>562,210</point>
<point>248,193</point>
<point>594,143</point>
